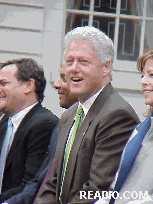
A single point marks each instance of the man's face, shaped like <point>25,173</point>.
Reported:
<point>66,99</point>
<point>11,90</point>
<point>83,69</point>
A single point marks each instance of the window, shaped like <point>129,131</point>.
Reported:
<point>129,23</point>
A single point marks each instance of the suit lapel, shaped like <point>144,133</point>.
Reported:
<point>141,127</point>
<point>94,110</point>
<point>100,100</point>
<point>72,159</point>
<point>62,142</point>
<point>20,133</point>
<point>3,128</point>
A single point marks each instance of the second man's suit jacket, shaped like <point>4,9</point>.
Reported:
<point>30,190</point>
<point>28,149</point>
<point>96,151</point>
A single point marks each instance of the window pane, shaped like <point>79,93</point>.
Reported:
<point>132,7</point>
<point>78,4</point>
<point>108,6</point>
<point>148,42</point>
<point>75,20</point>
<point>129,39</point>
<point>106,25</point>
<point>149,8</point>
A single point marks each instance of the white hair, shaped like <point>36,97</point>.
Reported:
<point>101,43</point>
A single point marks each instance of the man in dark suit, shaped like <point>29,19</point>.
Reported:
<point>66,99</point>
<point>107,122</point>
<point>22,85</point>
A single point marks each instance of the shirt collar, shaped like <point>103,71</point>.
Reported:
<point>87,104</point>
<point>1,116</point>
<point>17,118</point>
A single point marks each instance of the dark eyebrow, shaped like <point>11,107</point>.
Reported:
<point>62,75</point>
<point>3,80</point>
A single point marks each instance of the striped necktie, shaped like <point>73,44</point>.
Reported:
<point>77,123</point>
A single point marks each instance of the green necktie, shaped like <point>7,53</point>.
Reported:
<point>77,123</point>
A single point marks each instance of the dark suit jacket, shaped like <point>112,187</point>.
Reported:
<point>3,126</point>
<point>29,192</point>
<point>27,150</point>
<point>96,151</point>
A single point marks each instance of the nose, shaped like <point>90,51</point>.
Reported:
<point>57,84</point>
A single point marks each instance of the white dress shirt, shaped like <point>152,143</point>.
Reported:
<point>17,118</point>
<point>1,116</point>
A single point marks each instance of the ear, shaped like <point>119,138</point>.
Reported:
<point>29,86</point>
<point>107,68</point>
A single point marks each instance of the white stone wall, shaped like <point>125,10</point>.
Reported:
<point>35,28</point>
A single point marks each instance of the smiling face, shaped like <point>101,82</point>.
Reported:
<point>11,91</point>
<point>147,82</point>
<point>83,69</point>
<point>66,99</point>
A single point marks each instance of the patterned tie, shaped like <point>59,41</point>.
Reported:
<point>77,123</point>
<point>130,153</point>
<point>5,149</point>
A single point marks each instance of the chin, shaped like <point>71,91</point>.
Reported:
<point>149,103</point>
